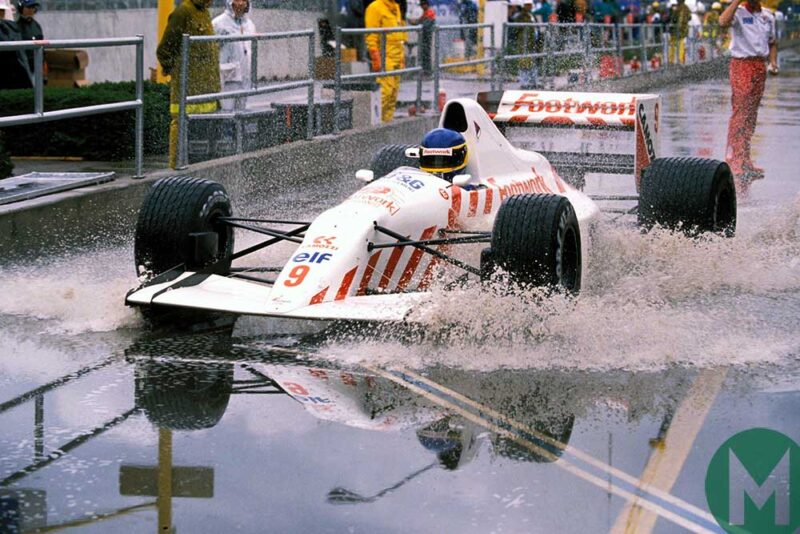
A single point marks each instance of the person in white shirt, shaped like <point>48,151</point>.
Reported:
<point>235,56</point>
<point>753,45</point>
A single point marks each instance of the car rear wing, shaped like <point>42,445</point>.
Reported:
<point>636,113</point>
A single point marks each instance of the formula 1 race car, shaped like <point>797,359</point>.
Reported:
<point>374,256</point>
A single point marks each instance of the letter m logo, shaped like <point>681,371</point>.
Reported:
<point>742,486</point>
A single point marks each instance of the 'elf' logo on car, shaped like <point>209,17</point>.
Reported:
<point>316,257</point>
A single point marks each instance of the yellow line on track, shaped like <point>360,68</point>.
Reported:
<point>667,459</point>
<point>561,462</point>
<point>622,475</point>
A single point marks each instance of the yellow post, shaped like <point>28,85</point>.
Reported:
<point>165,7</point>
<point>480,33</point>
<point>164,499</point>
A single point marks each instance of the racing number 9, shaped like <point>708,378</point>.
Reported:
<point>297,275</point>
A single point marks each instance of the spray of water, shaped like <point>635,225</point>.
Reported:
<point>650,301</point>
<point>80,293</point>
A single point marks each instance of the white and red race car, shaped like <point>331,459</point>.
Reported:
<point>374,256</point>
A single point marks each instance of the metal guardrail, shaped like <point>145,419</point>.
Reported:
<point>94,5</point>
<point>490,60</point>
<point>184,99</point>
<point>339,77</point>
<point>558,40</point>
<point>39,115</point>
<point>590,40</point>
<point>551,41</point>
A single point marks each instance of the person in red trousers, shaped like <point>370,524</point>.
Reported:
<point>753,45</point>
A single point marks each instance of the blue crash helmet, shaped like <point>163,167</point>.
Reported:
<point>443,152</point>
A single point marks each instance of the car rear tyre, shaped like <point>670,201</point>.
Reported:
<point>536,240</point>
<point>695,195</point>
<point>173,210</point>
<point>391,157</point>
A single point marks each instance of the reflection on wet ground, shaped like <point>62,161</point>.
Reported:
<point>507,416</point>
<point>214,432</point>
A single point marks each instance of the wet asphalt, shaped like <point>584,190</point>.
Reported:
<point>508,417</point>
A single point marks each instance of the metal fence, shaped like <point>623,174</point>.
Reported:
<point>551,46</point>
<point>547,50</point>
<point>39,115</point>
<point>339,78</point>
<point>186,100</point>
<point>93,5</point>
<point>487,53</point>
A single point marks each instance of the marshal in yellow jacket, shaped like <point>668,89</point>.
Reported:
<point>386,14</point>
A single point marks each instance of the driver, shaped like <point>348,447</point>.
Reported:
<point>444,153</point>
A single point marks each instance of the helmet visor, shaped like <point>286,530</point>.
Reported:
<point>443,159</point>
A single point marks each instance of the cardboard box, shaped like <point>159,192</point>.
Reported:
<point>66,67</point>
<point>74,75</point>
<point>324,68</point>
<point>349,54</point>
<point>67,83</point>
<point>366,103</point>
<point>66,59</point>
<point>355,67</point>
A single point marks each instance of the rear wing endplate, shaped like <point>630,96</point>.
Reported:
<point>637,113</point>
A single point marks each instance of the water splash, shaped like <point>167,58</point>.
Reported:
<point>651,301</point>
<point>82,293</point>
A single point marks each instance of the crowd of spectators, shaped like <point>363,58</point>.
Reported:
<point>226,65</point>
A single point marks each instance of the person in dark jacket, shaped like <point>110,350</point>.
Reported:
<point>468,14</point>
<point>565,11</point>
<point>13,63</point>
<point>428,22</point>
<point>29,28</point>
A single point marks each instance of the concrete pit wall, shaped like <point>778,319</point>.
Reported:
<point>277,59</point>
<point>106,215</point>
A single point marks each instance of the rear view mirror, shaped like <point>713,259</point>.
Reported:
<point>365,175</point>
<point>412,152</point>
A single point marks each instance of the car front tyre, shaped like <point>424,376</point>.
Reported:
<point>536,240</point>
<point>173,210</point>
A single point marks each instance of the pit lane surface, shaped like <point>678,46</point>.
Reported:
<point>555,417</point>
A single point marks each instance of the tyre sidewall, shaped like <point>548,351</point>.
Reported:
<point>683,194</point>
<point>390,157</point>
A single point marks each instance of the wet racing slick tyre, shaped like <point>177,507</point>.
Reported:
<point>173,210</point>
<point>183,396</point>
<point>695,195</point>
<point>536,240</point>
<point>391,157</point>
